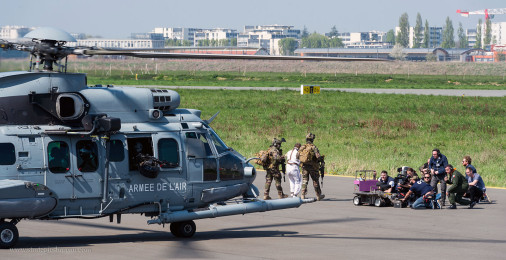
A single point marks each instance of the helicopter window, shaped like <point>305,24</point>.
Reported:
<point>202,138</point>
<point>117,152</point>
<point>218,143</point>
<point>87,160</point>
<point>59,158</point>
<point>231,168</point>
<point>136,147</point>
<point>168,152</point>
<point>7,154</point>
<point>210,169</point>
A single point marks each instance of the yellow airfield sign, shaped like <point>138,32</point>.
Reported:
<point>309,89</point>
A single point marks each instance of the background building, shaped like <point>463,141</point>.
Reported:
<point>471,37</point>
<point>372,39</point>
<point>435,36</point>
<point>11,32</point>
<point>266,36</point>
<point>179,33</point>
<point>222,37</point>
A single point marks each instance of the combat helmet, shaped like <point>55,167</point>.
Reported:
<point>276,141</point>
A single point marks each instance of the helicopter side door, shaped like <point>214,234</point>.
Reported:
<point>73,167</point>
<point>201,159</point>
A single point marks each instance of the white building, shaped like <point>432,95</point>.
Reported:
<point>364,40</point>
<point>435,36</point>
<point>214,35</point>
<point>179,33</point>
<point>499,33</point>
<point>266,36</point>
<point>471,37</point>
<point>11,32</point>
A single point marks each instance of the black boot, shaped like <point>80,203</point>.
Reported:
<point>453,206</point>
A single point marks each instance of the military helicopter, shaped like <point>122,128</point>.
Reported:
<point>68,150</point>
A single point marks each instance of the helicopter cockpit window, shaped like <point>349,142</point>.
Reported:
<point>59,157</point>
<point>218,143</point>
<point>87,159</point>
<point>138,147</point>
<point>203,139</point>
<point>117,152</point>
<point>7,154</point>
<point>168,152</point>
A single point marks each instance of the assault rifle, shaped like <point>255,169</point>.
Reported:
<point>322,168</point>
<point>283,165</point>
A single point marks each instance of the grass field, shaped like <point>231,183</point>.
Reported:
<point>354,131</point>
<point>363,131</point>
<point>421,75</point>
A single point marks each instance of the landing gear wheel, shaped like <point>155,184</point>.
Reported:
<point>8,235</point>
<point>174,229</point>
<point>357,201</point>
<point>379,202</point>
<point>183,229</point>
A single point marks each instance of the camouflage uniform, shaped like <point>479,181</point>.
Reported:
<point>272,169</point>
<point>458,189</point>
<point>311,169</point>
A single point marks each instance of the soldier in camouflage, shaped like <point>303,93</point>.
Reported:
<point>272,169</point>
<point>311,168</point>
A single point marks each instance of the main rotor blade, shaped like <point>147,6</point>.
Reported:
<point>214,56</point>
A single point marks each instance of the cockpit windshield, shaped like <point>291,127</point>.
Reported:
<point>221,147</point>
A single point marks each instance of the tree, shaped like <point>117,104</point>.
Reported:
<point>430,57</point>
<point>333,32</point>
<point>501,56</point>
<point>316,40</point>
<point>287,46</point>
<point>397,52</point>
<point>418,31</point>
<point>463,43</point>
<point>391,37</point>
<point>403,34</point>
<point>448,35</point>
<point>305,32</point>
<point>488,32</point>
<point>477,45</point>
<point>426,35</point>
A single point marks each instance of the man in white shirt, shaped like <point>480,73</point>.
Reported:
<point>292,170</point>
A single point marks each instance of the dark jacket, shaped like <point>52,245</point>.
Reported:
<point>439,164</point>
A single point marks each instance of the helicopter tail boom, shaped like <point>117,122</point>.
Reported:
<point>221,211</point>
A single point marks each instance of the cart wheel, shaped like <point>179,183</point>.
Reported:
<point>379,202</point>
<point>357,201</point>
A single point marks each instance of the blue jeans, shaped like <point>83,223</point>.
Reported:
<point>420,204</point>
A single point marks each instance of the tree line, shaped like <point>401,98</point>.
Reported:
<point>287,46</point>
<point>423,39</point>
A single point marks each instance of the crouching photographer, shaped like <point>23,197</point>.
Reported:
<point>422,192</point>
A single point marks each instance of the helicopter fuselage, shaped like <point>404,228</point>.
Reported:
<point>43,140</point>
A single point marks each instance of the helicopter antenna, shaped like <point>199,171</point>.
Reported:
<point>208,121</point>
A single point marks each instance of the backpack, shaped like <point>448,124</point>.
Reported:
<point>306,154</point>
<point>263,158</point>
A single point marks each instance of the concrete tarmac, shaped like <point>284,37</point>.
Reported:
<point>330,229</point>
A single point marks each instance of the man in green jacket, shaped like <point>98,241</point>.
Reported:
<point>458,187</point>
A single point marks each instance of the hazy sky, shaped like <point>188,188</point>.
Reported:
<point>119,18</point>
